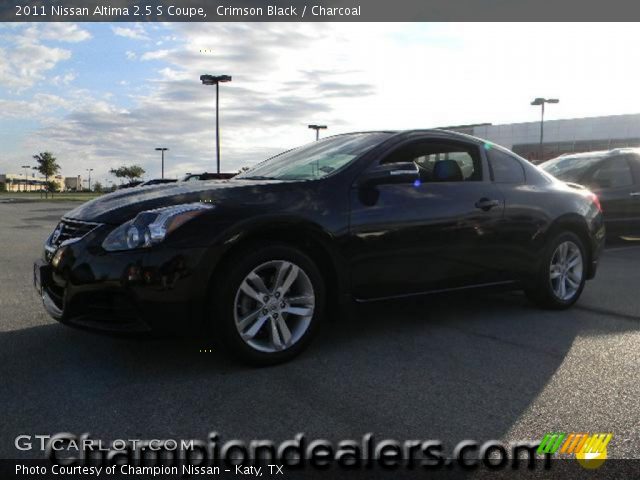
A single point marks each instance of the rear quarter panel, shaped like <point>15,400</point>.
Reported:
<point>534,213</point>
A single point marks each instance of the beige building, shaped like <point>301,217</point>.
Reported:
<point>16,182</point>
<point>73,183</point>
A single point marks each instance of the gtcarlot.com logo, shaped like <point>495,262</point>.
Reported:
<point>590,449</point>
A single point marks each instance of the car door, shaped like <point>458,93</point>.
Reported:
<point>615,184</point>
<point>431,233</point>
<point>523,216</point>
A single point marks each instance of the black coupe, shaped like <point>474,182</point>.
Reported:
<point>255,259</point>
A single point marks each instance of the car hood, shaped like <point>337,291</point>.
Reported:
<point>122,205</point>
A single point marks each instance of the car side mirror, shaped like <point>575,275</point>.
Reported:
<point>390,173</point>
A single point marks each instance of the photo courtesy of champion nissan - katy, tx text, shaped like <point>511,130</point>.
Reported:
<point>255,260</point>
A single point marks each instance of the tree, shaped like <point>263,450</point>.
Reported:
<point>52,187</point>
<point>131,173</point>
<point>47,166</point>
<point>97,187</point>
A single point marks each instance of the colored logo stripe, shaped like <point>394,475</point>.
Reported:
<point>550,443</point>
<point>578,443</point>
<point>597,443</point>
<point>573,443</point>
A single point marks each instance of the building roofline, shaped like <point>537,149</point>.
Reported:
<point>572,119</point>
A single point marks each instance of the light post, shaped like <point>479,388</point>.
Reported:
<point>317,128</point>
<point>26,178</point>
<point>162,149</point>
<point>541,101</point>
<point>89,170</point>
<point>216,80</point>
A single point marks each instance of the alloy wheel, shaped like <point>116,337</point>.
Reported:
<point>274,305</point>
<point>566,270</point>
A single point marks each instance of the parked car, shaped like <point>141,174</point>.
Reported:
<point>158,181</point>
<point>132,184</point>
<point>365,216</point>
<point>614,176</point>
<point>192,177</point>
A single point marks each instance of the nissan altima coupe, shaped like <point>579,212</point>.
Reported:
<point>254,260</point>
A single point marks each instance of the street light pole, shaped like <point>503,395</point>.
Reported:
<point>26,179</point>
<point>216,80</point>
<point>218,127</point>
<point>541,101</point>
<point>89,170</point>
<point>317,128</point>
<point>162,149</point>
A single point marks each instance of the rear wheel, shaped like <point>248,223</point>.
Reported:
<point>270,304</point>
<point>562,274</point>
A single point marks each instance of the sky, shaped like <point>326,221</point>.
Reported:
<point>102,95</point>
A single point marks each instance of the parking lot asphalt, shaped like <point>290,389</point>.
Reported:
<point>471,366</point>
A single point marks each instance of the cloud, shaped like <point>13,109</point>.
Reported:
<point>25,63</point>
<point>156,55</point>
<point>130,55</point>
<point>25,60</point>
<point>137,32</point>
<point>55,31</point>
<point>63,32</point>
<point>64,79</point>
<point>40,104</point>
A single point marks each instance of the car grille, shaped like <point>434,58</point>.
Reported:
<point>70,230</point>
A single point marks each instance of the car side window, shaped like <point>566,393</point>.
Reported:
<point>613,173</point>
<point>440,161</point>
<point>504,167</point>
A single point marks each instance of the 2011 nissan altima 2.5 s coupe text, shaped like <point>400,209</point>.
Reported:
<point>255,259</point>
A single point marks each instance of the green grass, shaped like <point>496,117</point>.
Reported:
<point>57,197</point>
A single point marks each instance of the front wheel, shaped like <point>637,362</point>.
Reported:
<point>270,304</point>
<point>562,274</point>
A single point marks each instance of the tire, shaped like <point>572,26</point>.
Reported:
<point>546,291</point>
<point>275,295</point>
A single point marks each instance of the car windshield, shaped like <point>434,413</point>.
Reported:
<point>316,159</point>
<point>570,168</point>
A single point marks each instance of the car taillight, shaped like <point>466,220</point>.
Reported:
<point>596,200</point>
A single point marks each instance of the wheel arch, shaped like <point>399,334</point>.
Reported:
<point>308,237</point>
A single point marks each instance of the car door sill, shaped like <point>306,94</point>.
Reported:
<point>430,292</point>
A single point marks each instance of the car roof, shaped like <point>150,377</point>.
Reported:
<point>602,153</point>
<point>438,132</point>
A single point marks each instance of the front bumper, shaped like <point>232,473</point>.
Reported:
<point>161,290</point>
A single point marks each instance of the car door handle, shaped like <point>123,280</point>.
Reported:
<point>487,204</point>
<point>634,194</point>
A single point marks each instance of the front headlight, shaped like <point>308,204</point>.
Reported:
<point>151,226</point>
